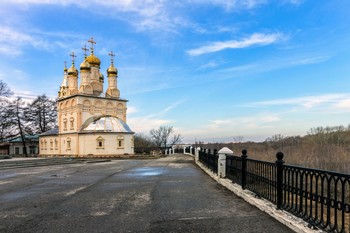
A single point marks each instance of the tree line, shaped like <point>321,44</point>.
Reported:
<point>326,148</point>
<point>20,118</point>
<point>162,137</point>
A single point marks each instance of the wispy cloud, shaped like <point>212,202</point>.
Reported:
<point>146,123</point>
<point>274,64</point>
<point>308,102</point>
<point>231,4</point>
<point>257,39</point>
<point>14,40</point>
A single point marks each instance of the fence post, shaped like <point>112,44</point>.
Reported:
<point>279,163</point>
<point>196,152</point>
<point>244,168</point>
<point>222,161</point>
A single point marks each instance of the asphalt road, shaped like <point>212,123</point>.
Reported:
<point>164,195</point>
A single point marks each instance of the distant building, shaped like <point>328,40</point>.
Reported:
<point>91,123</point>
<point>14,146</point>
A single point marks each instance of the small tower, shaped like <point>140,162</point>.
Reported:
<point>85,73</point>
<point>97,85</point>
<point>64,87</point>
<point>112,73</point>
<point>72,77</point>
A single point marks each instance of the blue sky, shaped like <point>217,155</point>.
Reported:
<point>211,69</point>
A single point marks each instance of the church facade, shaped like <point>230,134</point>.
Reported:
<point>91,122</point>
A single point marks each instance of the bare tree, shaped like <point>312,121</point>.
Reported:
<point>41,115</point>
<point>176,139</point>
<point>4,89</point>
<point>238,139</point>
<point>6,126</point>
<point>161,136</point>
<point>17,117</point>
<point>143,141</point>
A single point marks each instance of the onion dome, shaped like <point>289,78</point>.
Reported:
<point>73,71</point>
<point>65,69</point>
<point>85,65</point>
<point>93,60</point>
<point>112,70</point>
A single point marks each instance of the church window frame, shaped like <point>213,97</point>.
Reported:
<point>51,144</point>
<point>71,123</point>
<point>100,143</point>
<point>120,142</point>
<point>65,124</point>
<point>45,144</point>
<point>68,143</point>
<point>56,144</point>
<point>42,144</point>
<point>120,109</point>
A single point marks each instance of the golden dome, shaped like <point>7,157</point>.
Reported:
<point>93,60</point>
<point>73,71</point>
<point>85,65</point>
<point>112,70</point>
<point>65,69</point>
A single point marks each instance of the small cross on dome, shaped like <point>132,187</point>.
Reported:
<point>92,44</point>
<point>112,55</point>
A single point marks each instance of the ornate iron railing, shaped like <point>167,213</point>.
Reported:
<point>210,160</point>
<point>322,198</point>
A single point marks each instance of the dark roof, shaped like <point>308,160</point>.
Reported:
<point>31,138</point>
<point>53,131</point>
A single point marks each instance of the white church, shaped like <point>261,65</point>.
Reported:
<point>91,122</point>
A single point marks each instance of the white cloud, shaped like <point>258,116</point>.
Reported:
<point>275,64</point>
<point>146,123</point>
<point>231,4</point>
<point>14,40</point>
<point>257,39</point>
<point>308,102</point>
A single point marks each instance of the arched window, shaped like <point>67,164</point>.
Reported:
<point>68,143</point>
<point>100,143</point>
<point>72,123</point>
<point>120,109</point>
<point>65,124</point>
<point>120,142</point>
<point>51,144</point>
<point>56,146</point>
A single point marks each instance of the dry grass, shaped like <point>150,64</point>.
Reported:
<point>323,148</point>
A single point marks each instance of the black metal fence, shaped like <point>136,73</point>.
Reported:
<point>322,198</point>
<point>209,159</point>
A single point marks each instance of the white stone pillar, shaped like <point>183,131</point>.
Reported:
<point>191,150</point>
<point>196,157</point>
<point>222,161</point>
<point>170,151</point>
<point>166,151</point>
<point>184,149</point>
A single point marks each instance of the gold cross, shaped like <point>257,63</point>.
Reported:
<point>85,49</point>
<point>92,44</point>
<point>73,56</point>
<point>112,55</point>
